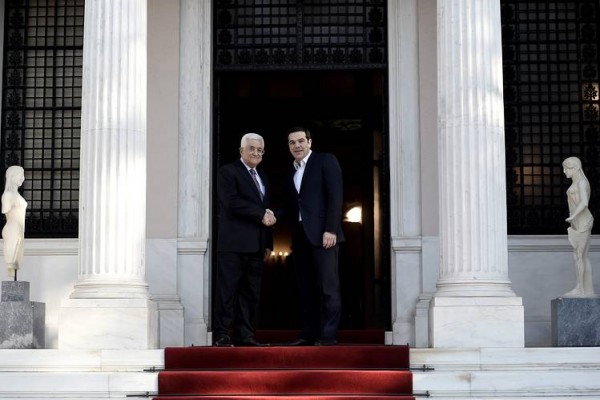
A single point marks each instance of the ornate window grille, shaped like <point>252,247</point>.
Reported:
<point>41,107</point>
<point>551,105</point>
<point>289,34</point>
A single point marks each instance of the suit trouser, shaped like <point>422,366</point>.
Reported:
<point>237,293</point>
<point>318,282</point>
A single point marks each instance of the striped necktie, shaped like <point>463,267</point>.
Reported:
<point>253,173</point>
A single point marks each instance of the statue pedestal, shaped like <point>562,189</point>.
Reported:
<point>575,322</point>
<point>22,322</point>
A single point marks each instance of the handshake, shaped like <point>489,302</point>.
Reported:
<point>269,218</point>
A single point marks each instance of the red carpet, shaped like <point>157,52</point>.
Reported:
<point>359,336</point>
<point>281,372</point>
<point>286,397</point>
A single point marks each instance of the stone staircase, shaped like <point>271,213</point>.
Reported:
<point>343,372</point>
<point>487,373</point>
<point>508,374</point>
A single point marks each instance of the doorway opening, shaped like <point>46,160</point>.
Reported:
<point>345,112</point>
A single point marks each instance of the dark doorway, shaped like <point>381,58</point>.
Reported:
<point>344,110</point>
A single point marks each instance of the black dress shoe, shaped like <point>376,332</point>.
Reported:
<point>326,342</point>
<point>301,342</point>
<point>251,342</point>
<point>223,341</point>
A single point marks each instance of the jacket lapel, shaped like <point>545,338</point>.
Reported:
<point>307,168</point>
<point>264,182</point>
<point>248,178</point>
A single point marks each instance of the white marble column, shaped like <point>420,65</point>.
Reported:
<point>110,305</point>
<point>405,162</point>
<point>195,160</point>
<point>474,304</point>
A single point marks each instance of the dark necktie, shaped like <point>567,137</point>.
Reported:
<point>253,173</point>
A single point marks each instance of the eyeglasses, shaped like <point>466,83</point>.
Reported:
<point>252,149</point>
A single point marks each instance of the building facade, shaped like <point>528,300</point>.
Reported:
<point>151,118</point>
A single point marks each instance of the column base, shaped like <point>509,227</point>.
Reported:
<point>403,333</point>
<point>422,320</point>
<point>476,322</point>
<point>108,324</point>
<point>171,322</point>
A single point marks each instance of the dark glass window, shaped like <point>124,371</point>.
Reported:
<point>41,109</point>
<point>551,104</point>
<point>288,34</point>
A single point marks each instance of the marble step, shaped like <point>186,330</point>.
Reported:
<point>501,374</point>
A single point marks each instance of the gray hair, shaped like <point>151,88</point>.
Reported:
<point>251,136</point>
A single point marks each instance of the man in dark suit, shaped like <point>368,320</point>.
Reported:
<point>244,241</point>
<point>314,203</point>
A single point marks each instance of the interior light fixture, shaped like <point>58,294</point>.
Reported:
<point>354,215</point>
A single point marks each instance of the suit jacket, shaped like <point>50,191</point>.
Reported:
<point>241,210</point>
<point>320,198</point>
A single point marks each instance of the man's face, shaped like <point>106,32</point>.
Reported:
<point>299,144</point>
<point>252,152</point>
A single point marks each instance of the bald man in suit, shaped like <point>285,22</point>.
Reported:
<point>244,241</point>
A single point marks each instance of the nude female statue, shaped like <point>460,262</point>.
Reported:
<point>13,207</point>
<point>581,220</point>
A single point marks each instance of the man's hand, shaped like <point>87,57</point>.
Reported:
<point>269,218</point>
<point>329,240</point>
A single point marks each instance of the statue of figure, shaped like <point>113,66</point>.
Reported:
<point>13,207</point>
<point>581,220</point>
